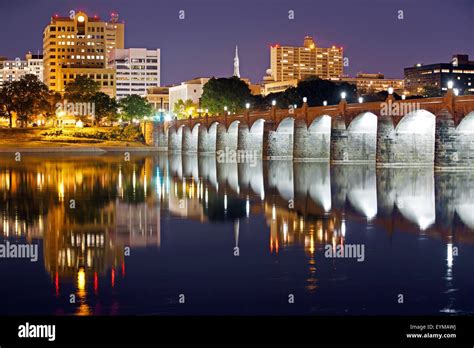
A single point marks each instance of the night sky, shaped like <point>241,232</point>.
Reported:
<point>203,43</point>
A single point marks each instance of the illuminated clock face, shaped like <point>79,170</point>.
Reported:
<point>80,19</point>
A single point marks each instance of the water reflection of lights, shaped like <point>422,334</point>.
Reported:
<point>61,190</point>
<point>81,279</point>
<point>449,257</point>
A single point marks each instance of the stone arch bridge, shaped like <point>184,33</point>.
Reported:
<point>426,131</point>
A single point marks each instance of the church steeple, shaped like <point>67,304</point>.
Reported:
<point>236,63</point>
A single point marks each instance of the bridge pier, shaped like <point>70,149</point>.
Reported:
<point>175,139</point>
<point>312,144</point>
<point>250,140</point>
<point>226,139</point>
<point>454,146</point>
<point>190,139</point>
<point>155,135</point>
<point>410,143</point>
<point>207,139</point>
<point>278,140</point>
<point>339,140</point>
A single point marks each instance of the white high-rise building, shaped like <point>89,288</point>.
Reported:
<point>13,70</point>
<point>136,70</point>
<point>191,89</point>
<point>35,65</point>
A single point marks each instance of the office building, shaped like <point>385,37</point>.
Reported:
<point>136,69</point>
<point>114,33</point>
<point>159,98</point>
<point>460,71</point>
<point>77,46</point>
<point>14,70</point>
<point>191,89</point>
<point>292,62</point>
<point>374,83</point>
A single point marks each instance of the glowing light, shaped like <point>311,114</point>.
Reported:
<point>225,108</point>
<point>247,207</point>
<point>81,279</point>
<point>456,91</point>
<point>305,99</point>
<point>449,257</point>
<point>361,100</point>
<point>343,228</point>
<point>274,102</point>
<point>450,84</point>
<point>390,90</point>
<point>404,97</point>
<point>343,95</point>
<point>325,103</point>
<point>81,19</point>
<point>96,282</point>
<point>225,202</point>
<point>273,212</point>
<point>79,124</point>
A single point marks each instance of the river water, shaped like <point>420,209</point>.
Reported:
<point>182,234</point>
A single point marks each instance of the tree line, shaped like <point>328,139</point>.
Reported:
<point>28,97</point>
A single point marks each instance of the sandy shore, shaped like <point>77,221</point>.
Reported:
<point>78,149</point>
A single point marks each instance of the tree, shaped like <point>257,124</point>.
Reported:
<point>135,106</point>
<point>379,97</point>
<point>25,97</point>
<point>184,109</point>
<point>316,91</point>
<point>232,93</point>
<point>82,89</point>
<point>104,108</point>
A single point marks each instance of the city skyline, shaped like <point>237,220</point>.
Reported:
<point>214,56</point>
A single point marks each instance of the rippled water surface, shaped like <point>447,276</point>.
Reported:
<point>233,238</point>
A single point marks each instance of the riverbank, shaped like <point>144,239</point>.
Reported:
<point>90,140</point>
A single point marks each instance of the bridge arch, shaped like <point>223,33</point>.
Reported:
<point>175,138</point>
<point>207,138</point>
<point>226,137</point>
<point>250,138</point>
<point>362,138</point>
<point>410,142</point>
<point>278,143</point>
<point>312,143</point>
<point>416,137</point>
<point>467,124</point>
<point>190,138</point>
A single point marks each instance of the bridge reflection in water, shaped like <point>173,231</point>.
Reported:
<point>131,204</point>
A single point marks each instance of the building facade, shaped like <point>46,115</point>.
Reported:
<point>14,70</point>
<point>77,46</point>
<point>35,65</point>
<point>159,98</point>
<point>136,70</point>
<point>191,89</point>
<point>460,71</point>
<point>277,86</point>
<point>373,83</point>
<point>292,62</point>
<point>114,33</point>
